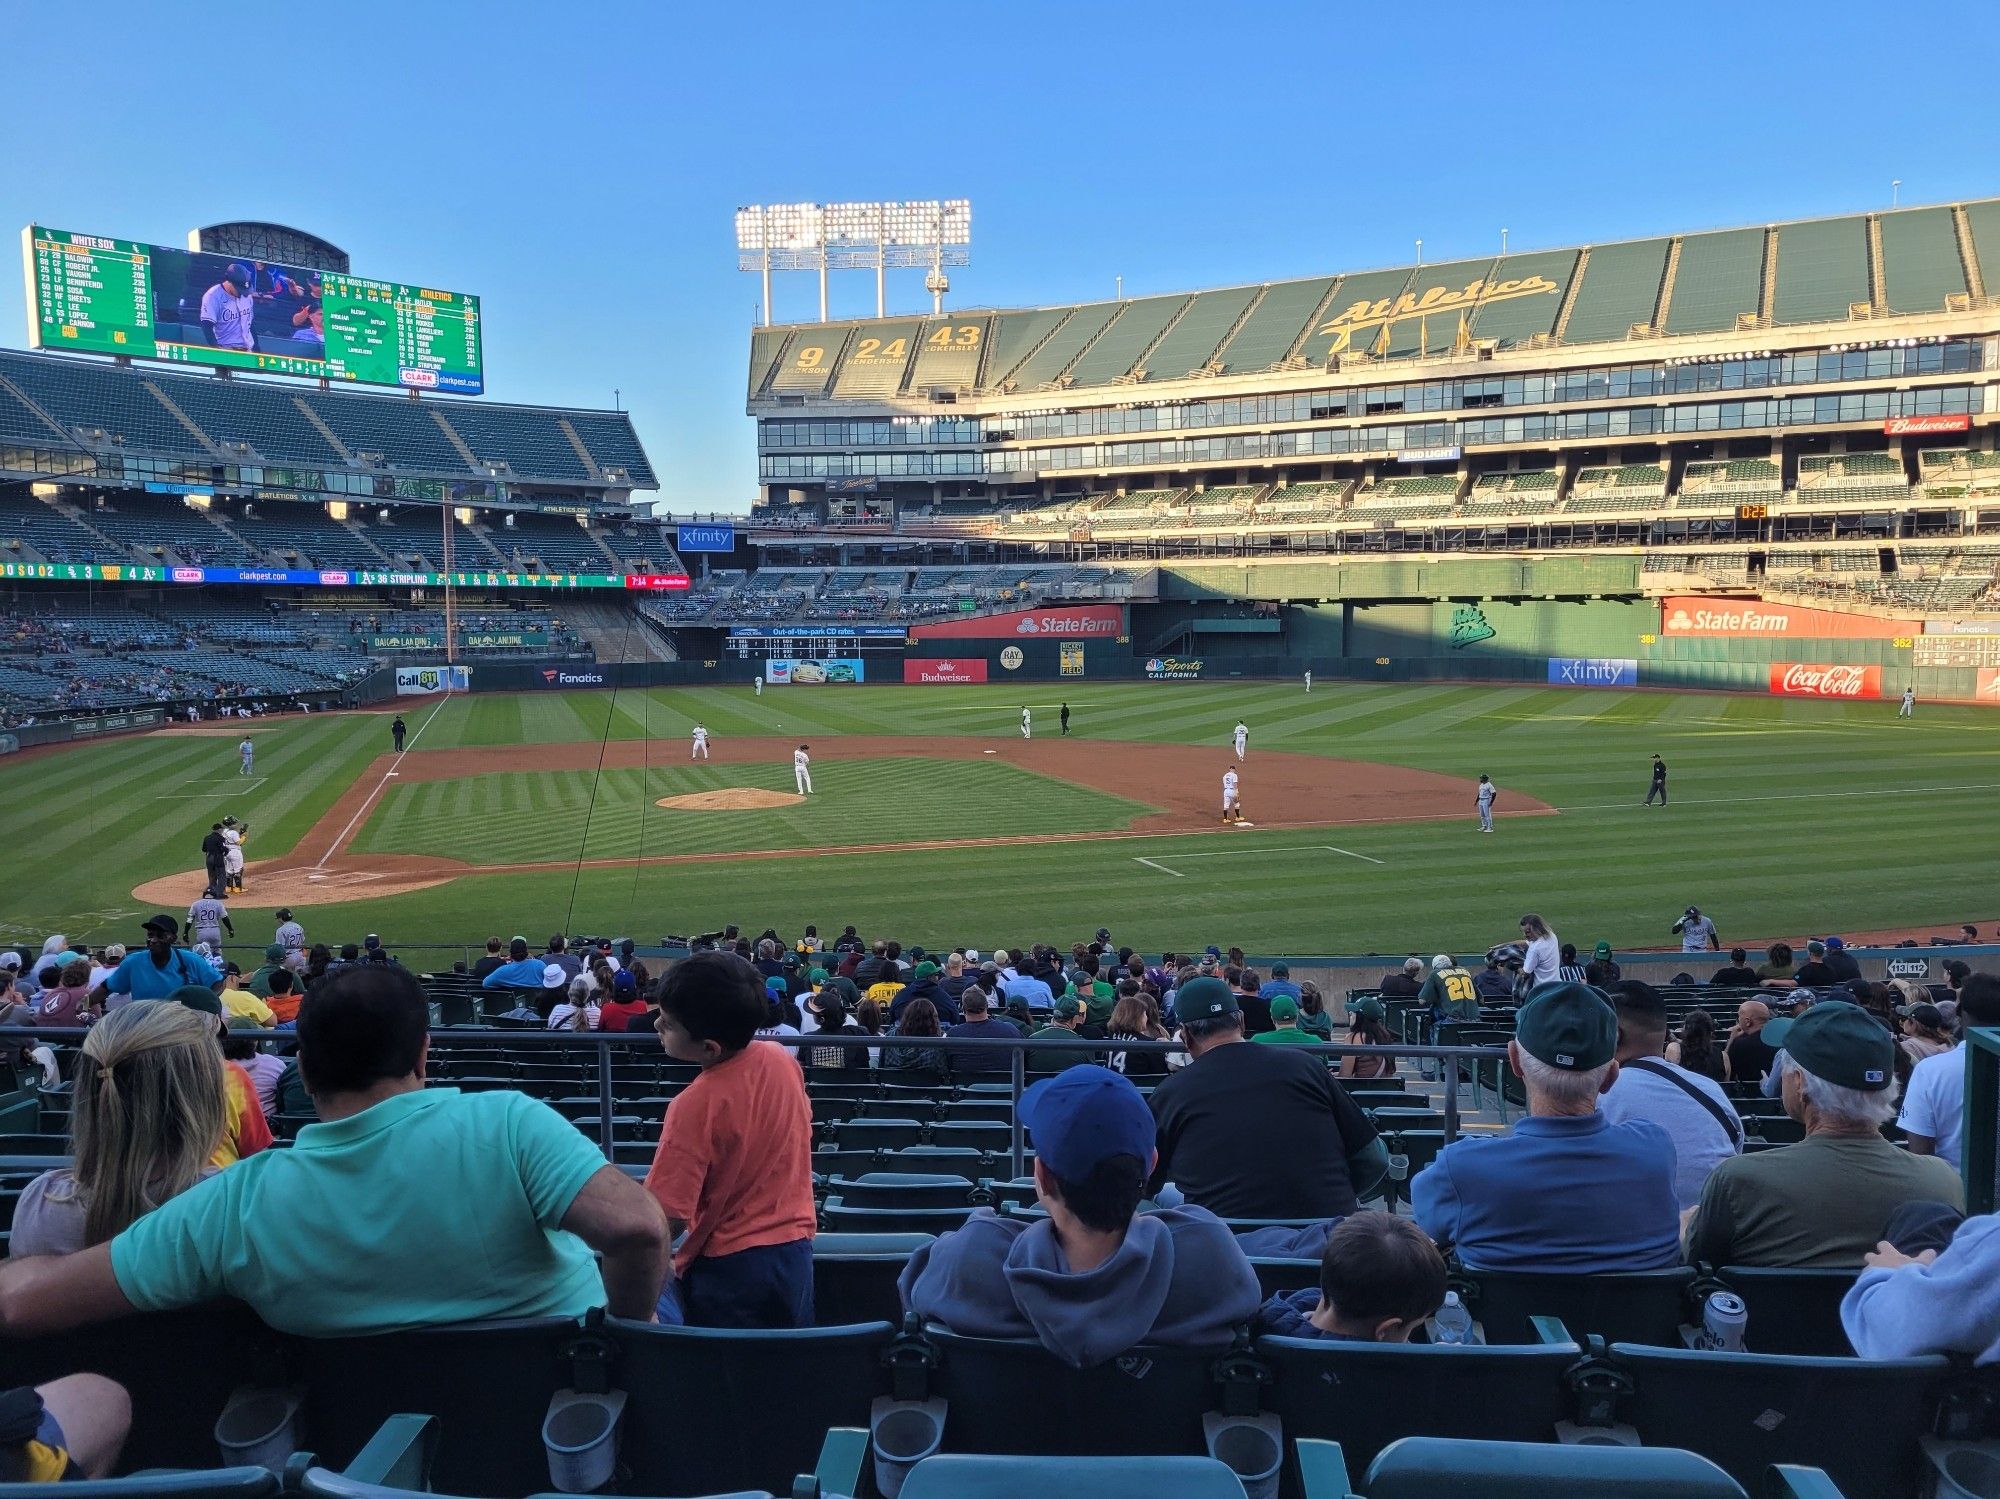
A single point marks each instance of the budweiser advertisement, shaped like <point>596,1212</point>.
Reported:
<point>944,670</point>
<point>1810,679</point>
<point>1924,426</point>
<point>1695,615</point>
<point>1056,622</point>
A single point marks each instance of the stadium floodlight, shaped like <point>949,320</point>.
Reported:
<point>932,233</point>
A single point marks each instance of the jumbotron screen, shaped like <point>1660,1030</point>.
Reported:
<point>115,296</point>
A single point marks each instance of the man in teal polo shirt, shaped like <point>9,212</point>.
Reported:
<point>496,1192</point>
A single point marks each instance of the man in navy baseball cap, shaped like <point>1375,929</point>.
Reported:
<point>1097,1276</point>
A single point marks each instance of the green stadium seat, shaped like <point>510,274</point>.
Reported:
<point>1367,1395</point>
<point>1792,1311</point>
<point>207,1483</point>
<point>1646,1306</point>
<point>952,1475</point>
<point>840,1218</point>
<point>888,1189</point>
<point>1425,1467</point>
<point>855,1274</point>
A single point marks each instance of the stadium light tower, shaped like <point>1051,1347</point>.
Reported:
<point>932,233</point>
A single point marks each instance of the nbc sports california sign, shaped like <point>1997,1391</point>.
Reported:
<point>1809,679</point>
<point>1056,622</point>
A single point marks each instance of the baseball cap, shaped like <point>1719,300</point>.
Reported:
<point>1844,1045</point>
<point>1281,970</point>
<point>10,960</point>
<point>926,971</point>
<point>196,997</point>
<point>772,985</point>
<point>274,952</point>
<point>1205,999</point>
<point>1604,949</point>
<point>1370,1009</point>
<point>1068,1007</point>
<point>1567,1026</point>
<point>1834,944</point>
<point>1816,947</point>
<point>371,942</point>
<point>1691,910</point>
<point>1104,934</point>
<point>1283,1008</point>
<point>972,955</point>
<point>553,976</point>
<point>624,983</point>
<point>1083,1116</point>
<point>816,975</point>
<point>1923,1014</point>
<point>164,924</point>
<point>1212,951</point>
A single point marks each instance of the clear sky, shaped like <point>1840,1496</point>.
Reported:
<point>577,164</point>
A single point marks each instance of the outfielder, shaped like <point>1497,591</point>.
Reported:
<point>1027,725</point>
<point>700,750</point>
<point>1484,796</point>
<point>233,835</point>
<point>802,775</point>
<point>247,752</point>
<point>1242,737</point>
<point>1909,708</point>
<point>759,685</point>
<point>1309,679</point>
<point>1232,809</point>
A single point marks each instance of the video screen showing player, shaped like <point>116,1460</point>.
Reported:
<point>234,302</point>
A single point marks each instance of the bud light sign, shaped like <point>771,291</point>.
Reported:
<point>705,539</point>
<point>1592,671</point>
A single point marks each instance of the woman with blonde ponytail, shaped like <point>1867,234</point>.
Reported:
<point>148,1112</point>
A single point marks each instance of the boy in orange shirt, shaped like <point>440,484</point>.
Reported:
<point>733,1170</point>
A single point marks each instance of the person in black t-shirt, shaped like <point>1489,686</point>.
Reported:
<point>1403,985</point>
<point>1749,1056</point>
<point>1258,1131</point>
<point>1813,973</point>
<point>1739,973</point>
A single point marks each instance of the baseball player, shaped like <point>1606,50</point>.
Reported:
<point>233,835</point>
<point>1232,809</point>
<point>208,918</point>
<point>1309,679</point>
<point>1909,708</point>
<point>759,685</point>
<point>246,754</point>
<point>1241,734</point>
<point>802,775</point>
<point>1484,796</point>
<point>1659,786</point>
<point>700,750</point>
<point>1065,720</point>
<point>1027,725</point>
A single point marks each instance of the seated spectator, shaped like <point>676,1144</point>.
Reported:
<point>1694,1111</point>
<point>1737,974</point>
<point>1367,1026</point>
<point>1065,1024</point>
<point>1312,1011</point>
<point>67,1001</point>
<point>1256,1009</point>
<point>71,1428</point>
<point>1030,987</point>
<point>492,959</point>
<point>1938,1301</point>
<point>578,1010</point>
<point>1569,969</point>
<point>1695,1049</point>
<point>1841,962</point>
<point>239,1004</point>
<point>1280,985</point>
<point>1017,1014</point>
<point>244,1129</point>
<point>1380,1277</point>
<point>1748,1055</point>
<point>733,1170</point>
<point>868,1019</point>
<point>1135,1019</point>
<point>1566,1191</point>
<point>1602,969</point>
<point>1933,1117</point>
<point>495,1184</point>
<point>1258,1131</point>
<point>920,1019</point>
<point>1820,1204</point>
<point>1923,1031</point>
<point>259,982</point>
<point>1777,964</point>
<point>1407,983</point>
<point>1284,1013</point>
<point>924,985</point>
<point>148,1113</point>
<point>519,971</point>
<point>1813,973</point>
<point>624,1010</point>
<point>283,998</point>
<point>980,1025</point>
<point>1493,983</point>
<point>1096,1277</point>
<point>829,1011</point>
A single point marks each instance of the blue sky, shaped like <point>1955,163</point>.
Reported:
<point>577,164</point>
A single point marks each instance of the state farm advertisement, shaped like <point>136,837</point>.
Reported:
<point>1806,679</point>
<point>1057,622</point>
<point>1753,618</point>
<point>944,670</point>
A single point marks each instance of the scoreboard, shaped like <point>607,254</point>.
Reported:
<point>115,296</point>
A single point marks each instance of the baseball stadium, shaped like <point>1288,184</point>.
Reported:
<point>1647,591</point>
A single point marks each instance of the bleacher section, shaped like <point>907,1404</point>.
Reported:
<point>1872,479</point>
<point>282,530</point>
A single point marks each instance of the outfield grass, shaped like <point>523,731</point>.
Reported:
<point>1788,817</point>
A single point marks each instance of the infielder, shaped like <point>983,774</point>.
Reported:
<point>246,752</point>
<point>1027,725</point>
<point>1909,708</point>
<point>1242,737</point>
<point>1232,809</point>
<point>700,750</point>
<point>802,775</point>
<point>1487,791</point>
<point>232,854</point>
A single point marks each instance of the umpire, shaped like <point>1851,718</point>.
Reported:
<point>214,850</point>
<point>397,730</point>
<point>1659,786</point>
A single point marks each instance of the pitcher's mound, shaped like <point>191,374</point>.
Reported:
<point>729,799</point>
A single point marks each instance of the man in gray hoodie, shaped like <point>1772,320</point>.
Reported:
<point>1097,1277</point>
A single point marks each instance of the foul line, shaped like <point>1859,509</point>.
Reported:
<point>1236,853</point>
<point>341,842</point>
<point>1784,796</point>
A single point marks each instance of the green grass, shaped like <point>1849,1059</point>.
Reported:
<point>1788,817</point>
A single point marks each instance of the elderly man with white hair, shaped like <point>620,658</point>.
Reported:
<point>1823,1203</point>
<point>1566,1191</point>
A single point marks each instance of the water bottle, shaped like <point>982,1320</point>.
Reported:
<point>1723,1318</point>
<point>1453,1323</point>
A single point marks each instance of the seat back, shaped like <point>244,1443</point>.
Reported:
<point>1644,1306</point>
<point>690,1388</point>
<point>888,1189</point>
<point>951,1475</point>
<point>213,1483</point>
<point>1367,1395</point>
<point>1858,1419</point>
<point>840,1218</point>
<point>487,1383</point>
<point>855,1275</point>
<point>1424,1467</point>
<point>1792,1311</point>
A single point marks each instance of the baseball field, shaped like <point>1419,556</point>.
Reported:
<point>931,817</point>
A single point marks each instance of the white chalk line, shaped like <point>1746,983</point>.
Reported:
<point>1784,796</point>
<point>1153,864</point>
<point>1230,853</point>
<point>368,801</point>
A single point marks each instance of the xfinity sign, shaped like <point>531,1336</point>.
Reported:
<point>1592,671</point>
<point>705,539</point>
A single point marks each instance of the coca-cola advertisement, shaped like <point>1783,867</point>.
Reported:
<point>1811,679</point>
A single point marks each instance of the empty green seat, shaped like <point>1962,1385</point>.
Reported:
<point>1792,1311</point>
<point>1646,1306</point>
<point>952,1475</point>
<point>1426,1467</point>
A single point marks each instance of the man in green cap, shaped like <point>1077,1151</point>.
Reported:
<point>924,984</point>
<point>259,982</point>
<point>1285,1026</point>
<point>1566,1191</point>
<point>1064,1027</point>
<point>1823,1203</point>
<point>1602,969</point>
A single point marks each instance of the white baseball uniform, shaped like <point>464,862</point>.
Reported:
<point>700,750</point>
<point>760,687</point>
<point>1242,739</point>
<point>232,858</point>
<point>1027,725</point>
<point>1309,680</point>
<point>1229,791</point>
<point>1485,796</point>
<point>802,772</point>
<point>1909,703</point>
